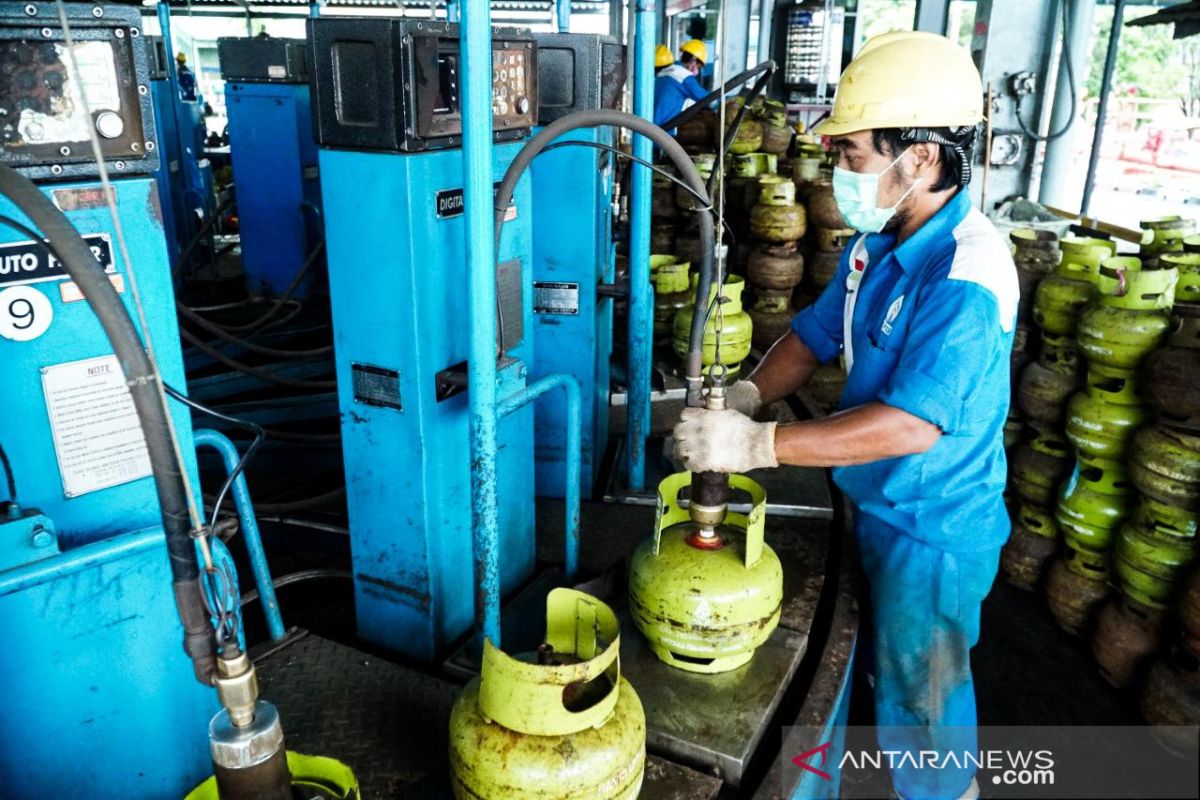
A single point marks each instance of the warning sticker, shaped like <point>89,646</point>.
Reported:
<point>550,297</point>
<point>97,436</point>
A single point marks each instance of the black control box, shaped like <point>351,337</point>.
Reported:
<point>263,59</point>
<point>393,84</point>
<point>156,57</point>
<point>46,120</point>
<point>578,72</point>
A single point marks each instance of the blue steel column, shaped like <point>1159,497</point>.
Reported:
<point>641,301</point>
<point>453,12</point>
<point>476,59</point>
<point>564,15</point>
<point>1056,188</point>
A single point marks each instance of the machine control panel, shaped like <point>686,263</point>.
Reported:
<point>47,120</point>
<point>391,84</point>
<point>263,59</point>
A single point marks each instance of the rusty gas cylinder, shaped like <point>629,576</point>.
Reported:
<point>776,267</point>
<point>1189,613</point>
<point>1035,254</point>
<point>662,197</point>
<point>1126,634</point>
<point>776,133</point>
<point>1043,393</point>
<point>1170,701</point>
<point>1164,463</point>
<point>1171,375</point>
<point>1073,598</point>
<point>1038,466</point>
<point>699,132</point>
<point>776,218</point>
<point>705,164</point>
<point>772,317</point>
<point>1033,543</point>
<point>822,207</point>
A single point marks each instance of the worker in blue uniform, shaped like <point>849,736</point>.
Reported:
<point>187,78</point>
<point>676,86</point>
<point>922,312</point>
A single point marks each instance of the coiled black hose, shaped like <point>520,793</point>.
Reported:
<point>93,283</point>
<point>687,171</point>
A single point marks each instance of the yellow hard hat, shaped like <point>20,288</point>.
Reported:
<point>663,57</point>
<point>180,57</point>
<point>906,80</point>
<point>697,48</point>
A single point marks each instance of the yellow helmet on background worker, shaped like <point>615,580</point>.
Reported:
<point>906,80</point>
<point>663,57</point>
<point>697,48</point>
<point>181,58</point>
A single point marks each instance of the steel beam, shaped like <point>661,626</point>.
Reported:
<point>1056,189</point>
<point>932,16</point>
<point>1110,63</point>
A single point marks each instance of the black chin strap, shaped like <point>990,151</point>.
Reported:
<point>961,139</point>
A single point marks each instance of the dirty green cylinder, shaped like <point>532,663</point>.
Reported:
<point>1151,567</point>
<point>1123,328</point>
<point>1164,235</point>
<point>1165,464</point>
<point>1038,466</point>
<point>671,293</point>
<point>772,316</point>
<point>749,136</point>
<point>706,603</point>
<point>705,164</point>
<point>728,324</point>
<point>1191,244</point>
<point>1102,419</point>
<point>1061,297</point>
<point>776,218</point>
<point>558,724</point>
<point>1166,520</point>
<point>1187,289</point>
<point>777,134</point>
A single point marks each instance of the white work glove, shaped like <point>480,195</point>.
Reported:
<point>743,396</point>
<point>723,441</point>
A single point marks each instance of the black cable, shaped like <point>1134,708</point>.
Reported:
<point>717,94</point>
<point>186,253</point>
<point>653,167</point>
<point>259,432</point>
<point>257,372</point>
<point>145,390</point>
<point>9,477</point>
<point>283,299</point>
<point>1066,54</point>
<point>296,577</point>
<point>221,333</point>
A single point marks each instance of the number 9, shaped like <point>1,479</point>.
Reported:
<point>25,313</point>
<point>21,309</point>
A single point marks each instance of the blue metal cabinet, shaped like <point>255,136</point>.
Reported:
<point>573,254</point>
<point>275,177</point>
<point>398,286</point>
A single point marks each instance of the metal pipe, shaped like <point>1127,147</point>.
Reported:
<point>475,55</point>
<point>25,576</point>
<point>1110,64</point>
<point>563,12</point>
<point>641,300</point>
<point>245,511</point>
<point>1056,170</point>
<point>574,448</point>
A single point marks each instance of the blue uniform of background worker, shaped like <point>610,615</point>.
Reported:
<point>922,310</point>
<point>676,85</point>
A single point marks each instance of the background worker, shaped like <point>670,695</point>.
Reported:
<point>922,309</point>
<point>187,78</point>
<point>676,86</point>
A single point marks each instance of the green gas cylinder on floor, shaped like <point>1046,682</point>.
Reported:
<point>671,293</point>
<point>1095,500</point>
<point>1149,565</point>
<point>1164,235</point>
<point>1164,464</point>
<point>1125,326</point>
<point>1102,418</point>
<point>776,217</point>
<point>557,724</point>
<point>1038,466</point>
<point>706,597</point>
<point>1187,290</point>
<point>728,330</point>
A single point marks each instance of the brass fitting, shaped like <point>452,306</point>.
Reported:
<point>237,688</point>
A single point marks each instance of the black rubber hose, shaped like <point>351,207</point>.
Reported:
<point>9,478</point>
<point>257,372</point>
<point>199,641</point>
<point>221,333</point>
<point>687,172</point>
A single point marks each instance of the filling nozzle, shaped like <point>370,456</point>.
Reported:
<point>710,490</point>
<point>237,687</point>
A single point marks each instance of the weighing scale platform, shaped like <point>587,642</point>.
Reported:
<point>390,723</point>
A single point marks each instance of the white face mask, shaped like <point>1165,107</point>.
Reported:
<point>857,197</point>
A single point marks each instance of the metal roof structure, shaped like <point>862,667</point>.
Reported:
<point>1186,18</point>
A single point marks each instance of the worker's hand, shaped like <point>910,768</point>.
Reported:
<point>743,396</point>
<point>723,441</point>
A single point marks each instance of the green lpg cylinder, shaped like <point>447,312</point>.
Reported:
<point>776,218</point>
<point>1150,566</point>
<point>1102,418</point>
<point>741,186</point>
<point>777,134</point>
<point>1165,465</point>
<point>705,164</point>
<point>1095,500</point>
<point>1061,297</point>
<point>1166,520</point>
<point>772,316</point>
<point>749,136</point>
<point>1164,235</point>
<point>1191,244</point>
<point>671,293</point>
<point>1129,324</point>
<point>729,325</point>
<point>1187,288</point>
<point>557,724</point>
<point>706,603</point>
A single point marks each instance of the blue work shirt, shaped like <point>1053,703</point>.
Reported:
<point>674,87</point>
<point>931,331</point>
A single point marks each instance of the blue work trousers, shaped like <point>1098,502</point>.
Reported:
<point>924,620</point>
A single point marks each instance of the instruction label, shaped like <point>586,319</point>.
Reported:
<point>97,436</point>
<point>551,297</point>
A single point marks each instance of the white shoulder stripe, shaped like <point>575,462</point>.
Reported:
<point>982,257</point>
